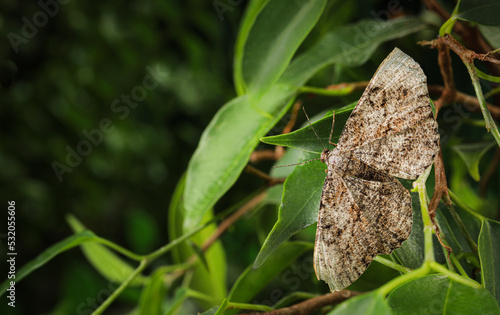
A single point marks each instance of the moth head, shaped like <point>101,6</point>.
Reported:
<point>324,155</point>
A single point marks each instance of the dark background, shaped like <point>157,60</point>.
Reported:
<point>62,81</point>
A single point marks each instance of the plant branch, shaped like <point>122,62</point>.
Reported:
<point>469,101</point>
<point>426,219</point>
<point>460,224</point>
<point>440,189</point>
<point>121,288</point>
<point>351,86</point>
<point>455,276</point>
<point>312,305</point>
<point>448,94</point>
<point>224,225</point>
<point>271,181</point>
<point>464,206</point>
<point>470,34</point>
<point>391,264</point>
<point>279,151</point>
<point>468,57</point>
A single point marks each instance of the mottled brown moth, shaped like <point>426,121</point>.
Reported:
<point>364,210</point>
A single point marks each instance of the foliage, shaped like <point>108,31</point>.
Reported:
<point>281,50</point>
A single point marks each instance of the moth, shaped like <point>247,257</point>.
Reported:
<point>365,211</point>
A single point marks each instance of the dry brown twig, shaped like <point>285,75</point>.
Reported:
<point>470,34</point>
<point>470,102</point>
<point>271,181</point>
<point>311,305</point>
<point>278,152</point>
<point>224,225</point>
<point>449,92</point>
<point>440,190</point>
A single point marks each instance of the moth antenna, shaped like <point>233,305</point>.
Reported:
<point>313,128</point>
<point>296,163</point>
<point>331,131</point>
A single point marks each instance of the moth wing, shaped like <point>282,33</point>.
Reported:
<point>358,219</point>
<point>395,99</point>
<point>405,154</point>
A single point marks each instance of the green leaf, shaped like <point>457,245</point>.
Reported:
<point>479,11</point>
<point>450,231</point>
<point>306,139</point>
<point>173,305</point>
<point>234,132</point>
<point>488,77</point>
<point>411,252</point>
<point>440,295</point>
<point>210,274</point>
<point>104,260</point>
<point>222,307</point>
<point>371,303</point>
<point>471,154</point>
<point>489,253</point>
<point>299,206</point>
<point>252,11</point>
<point>226,146</point>
<point>275,36</point>
<point>252,281</point>
<point>48,254</point>
<point>491,34</point>
<point>153,294</point>
<point>349,46</point>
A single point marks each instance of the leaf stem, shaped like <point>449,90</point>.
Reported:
<point>119,249</point>
<point>328,92</point>
<point>396,282</point>
<point>391,264</point>
<point>121,288</point>
<point>490,123</point>
<point>464,206</point>
<point>454,276</point>
<point>458,265</point>
<point>198,295</point>
<point>161,251</point>
<point>247,306</point>
<point>426,219</point>
<point>459,222</point>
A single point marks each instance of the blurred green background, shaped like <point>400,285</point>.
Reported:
<point>62,81</point>
<point>70,72</point>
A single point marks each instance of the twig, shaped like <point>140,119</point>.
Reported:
<point>263,155</point>
<point>440,189</point>
<point>224,225</point>
<point>469,101</point>
<point>467,57</point>
<point>465,53</point>
<point>449,93</point>
<point>277,153</point>
<point>470,34</point>
<point>354,86</point>
<point>271,181</point>
<point>311,305</point>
